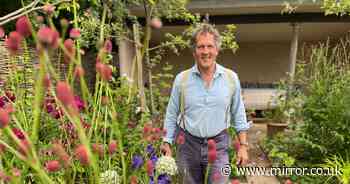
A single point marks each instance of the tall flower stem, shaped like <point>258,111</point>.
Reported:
<point>39,94</point>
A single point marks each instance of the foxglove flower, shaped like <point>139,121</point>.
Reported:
<point>166,165</point>
<point>108,46</point>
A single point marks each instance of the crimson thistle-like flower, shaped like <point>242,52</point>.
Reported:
<point>69,45</point>
<point>74,33</point>
<point>149,167</point>
<point>48,37</point>
<point>98,149</point>
<point>49,9</point>
<point>52,166</point>
<point>79,72</point>
<point>4,118</point>
<point>61,154</point>
<point>64,93</point>
<point>13,42</point>
<point>211,151</point>
<point>112,147</point>
<point>81,154</point>
<point>108,46</point>
<point>2,32</point>
<point>23,26</point>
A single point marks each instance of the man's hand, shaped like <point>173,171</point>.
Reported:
<point>242,155</point>
<point>166,149</point>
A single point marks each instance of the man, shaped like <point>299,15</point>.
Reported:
<point>209,103</point>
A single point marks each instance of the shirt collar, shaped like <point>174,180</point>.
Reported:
<point>218,70</point>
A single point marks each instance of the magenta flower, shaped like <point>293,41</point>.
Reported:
<point>4,118</point>
<point>108,46</point>
<point>74,33</point>
<point>82,155</point>
<point>19,134</point>
<point>52,166</point>
<point>69,45</point>
<point>23,26</point>
<point>48,37</point>
<point>13,42</point>
<point>2,32</point>
<point>64,93</point>
<point>49,9</point>
<point>79,72</point>
<point>112,147</point>
<point>79,103</point>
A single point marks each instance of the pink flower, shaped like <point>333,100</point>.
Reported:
<point>23,26</point>
<point>211,156</point>
<point>149,167</point>
<point>61,154</point>
<point>74,33</point>
<point>19,134</point>
<point>104,70</point>
<point>40,19</point>
<point>10,96</point>
<point>112,147</point>
<point>211,144</point>
<point>52,166</point>
<point>64,22</point>
<point>180,138</point>
<point>235,181</point>
<point>156,23</point>
<point>82,155</point>
<point>13,42</point>
<point>48,37</point>
<point>4,118</point>
<point>288,181</point>
<point>16,172</point>
<point>24,147</point>
<point>133,179</point>
<point>47,81</point>
<point>2,32</point>
<point>4,177</point>
<point>64,93</point>
<point>79,72</point>
<point>237,145</point>
<point>211,151</point>
<point>98,149</point>
<point>69,45</point>
<point>49,9</point>
<point>108,46</point>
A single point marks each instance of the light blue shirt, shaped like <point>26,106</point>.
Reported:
<point>205,108</point>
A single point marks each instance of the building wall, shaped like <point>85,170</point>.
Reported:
<point>254,62</point>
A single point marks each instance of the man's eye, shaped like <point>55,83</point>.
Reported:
<point>200,46</point>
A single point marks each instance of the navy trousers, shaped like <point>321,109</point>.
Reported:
<point>192,158</point>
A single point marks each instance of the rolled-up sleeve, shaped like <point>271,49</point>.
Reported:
<point>172,112</point>
<point>239,119</point>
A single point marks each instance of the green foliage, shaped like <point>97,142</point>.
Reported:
<point>341,163</point>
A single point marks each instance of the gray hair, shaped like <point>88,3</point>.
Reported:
<point>205,28</point>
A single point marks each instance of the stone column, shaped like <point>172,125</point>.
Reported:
<point>126,56</point>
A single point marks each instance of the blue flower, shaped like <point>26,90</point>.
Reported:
<point>137,161</point>
<point>150,149</point>
<point>163,179</point>
<point>154,159</point>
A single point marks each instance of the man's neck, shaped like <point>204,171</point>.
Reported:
<point>207,72</point>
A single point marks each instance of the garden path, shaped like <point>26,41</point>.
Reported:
<point>257,158</point>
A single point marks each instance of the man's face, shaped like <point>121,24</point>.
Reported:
<point>206,51</point>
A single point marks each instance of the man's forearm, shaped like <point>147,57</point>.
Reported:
<point>242,135</point>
